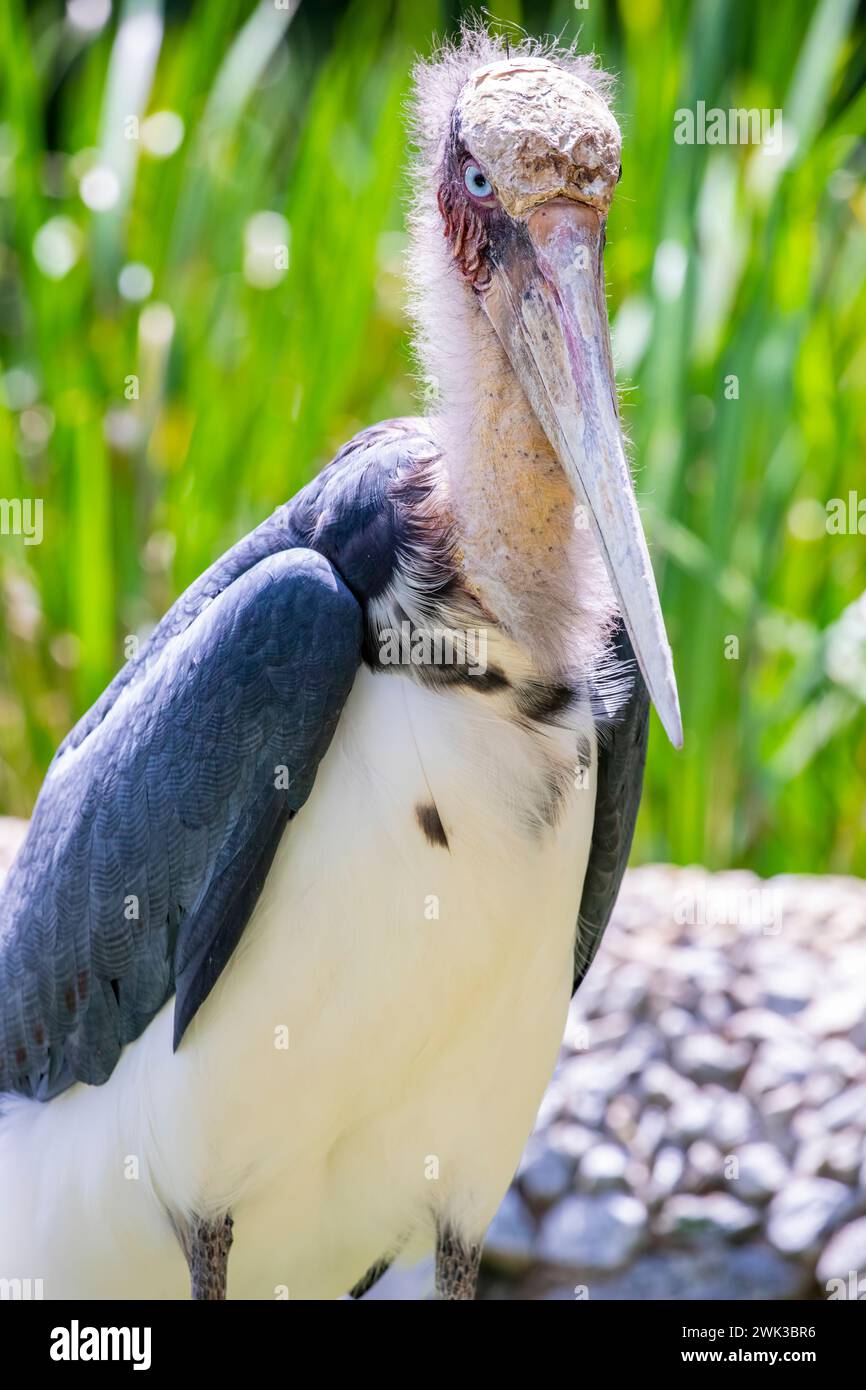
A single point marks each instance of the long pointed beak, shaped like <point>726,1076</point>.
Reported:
<point>546,301</point>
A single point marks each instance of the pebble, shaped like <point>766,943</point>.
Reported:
<point>510,1240</point>
<point>692,1219</point>
<point>704,1167</point>
<point>601,1232</point>
<point>845,1153</point>
<point>649,1133</point>
<point>734,1119</point>
<point>839,1012</point>
<point>804,1213</point>
<point>571,1140</point>
<point>849,1108</point>
<point>778,1062</point>
<point>602,1168</point>
<point>781,1103</point>
<point>690,1118</point>
<point>760,1025</point>
<point>759,1172</point>
<point>845,1255</point>
<point>717,1272</point>
<point>661,1085</point>
<point>667,1171</point>
<point>547,1177</point>
<point>706,1057</point>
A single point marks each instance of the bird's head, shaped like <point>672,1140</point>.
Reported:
<point>527,161</point>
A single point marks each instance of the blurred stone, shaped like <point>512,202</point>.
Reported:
<point>602,1168</point>
<point>804,1213</point>
<point>822,1086</point>
<point>622,1115</point>
<point>811,1155</point>
<point>838,1012</point>
<point>581,1035</point>
<point>761,1172</point>
<point>667,1171</point>
<point>745,992</point>
<point>781,1103</point>
<point>847,1109</point>
<point>627,991</point>
<point>705,1057</point>
<point>675,1023</point>
<point>593,1233</point>
<point>844,1155</point>
<point>571,1140</point>
<point>717,1273</point>
<point>777,1063</point>
<point>843,1057</point>
<point>846,1254</point>
<point>715,1009</point>
<point>760,1025</point>
<point>547,1177</point>
<point>642,1046</point>
<point>661,1085</point>
<point>552,1105</point>
<point>704,1167</point>
<point>649,1133</point>
<point>806,1124</point>
<point>734,1119</point>
<point>587,1107</point>
<point>599,1069</point>
<point>690,1118</point>
<point>508,1245</point>
<point>687,1219</point>
<point>792,984</point>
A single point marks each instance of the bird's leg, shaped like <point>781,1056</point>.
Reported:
<point>207,1245</point>
<point>456,1265</point>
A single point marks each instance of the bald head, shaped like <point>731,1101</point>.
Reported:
<point>538,131</point>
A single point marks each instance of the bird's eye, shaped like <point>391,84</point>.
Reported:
<point>476,182</point>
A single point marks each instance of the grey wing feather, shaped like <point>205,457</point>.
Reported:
<point>621,759</point>
<point>155,828</point>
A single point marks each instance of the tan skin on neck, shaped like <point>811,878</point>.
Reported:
<point>512,507</point>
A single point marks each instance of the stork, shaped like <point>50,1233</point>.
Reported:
<point>286,954</point>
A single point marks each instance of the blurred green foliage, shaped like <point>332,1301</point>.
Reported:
<point>168,375</point>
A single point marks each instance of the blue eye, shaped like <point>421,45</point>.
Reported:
<point>476,182</point>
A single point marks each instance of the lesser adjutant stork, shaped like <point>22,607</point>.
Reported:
<point>286,955</point>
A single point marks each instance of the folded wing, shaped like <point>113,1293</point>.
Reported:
<point>155,830</point>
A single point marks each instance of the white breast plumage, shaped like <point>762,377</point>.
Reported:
<point>429,864</point>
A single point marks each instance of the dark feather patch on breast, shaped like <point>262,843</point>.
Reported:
<point>431,823</point>
<point>488,682</point>
<point>540,701</point>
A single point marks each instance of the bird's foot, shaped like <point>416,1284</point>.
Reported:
<point>457,1264</point>
<point>207,1245</point>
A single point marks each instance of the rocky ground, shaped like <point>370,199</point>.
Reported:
<point>704,1135</point>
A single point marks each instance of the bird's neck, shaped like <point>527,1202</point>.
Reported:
<point>514,513</point>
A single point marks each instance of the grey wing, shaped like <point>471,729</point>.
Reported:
<point>621,759</point>
<point>152,836</point>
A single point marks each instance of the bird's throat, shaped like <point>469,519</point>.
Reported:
<point>513,509</point>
